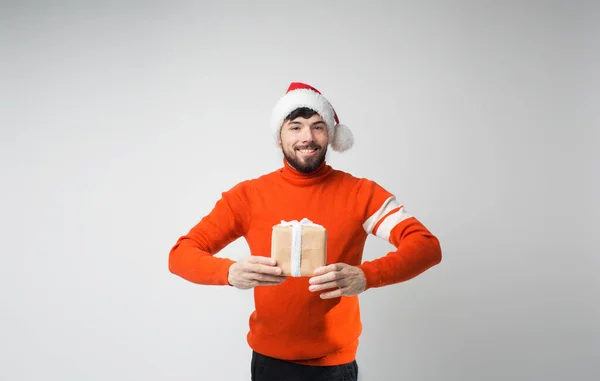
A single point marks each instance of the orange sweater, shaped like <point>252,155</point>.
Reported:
<point>289,321</point>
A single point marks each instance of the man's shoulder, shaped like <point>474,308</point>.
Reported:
<point>354,179</point>
<point>262,179</point>
<point>254,182</point>
<point>363,188</point>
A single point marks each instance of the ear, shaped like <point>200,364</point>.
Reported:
<point>277,139</point>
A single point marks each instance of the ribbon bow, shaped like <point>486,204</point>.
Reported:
<point>297,242</point>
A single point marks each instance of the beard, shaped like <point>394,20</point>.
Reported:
<point>309,164</point>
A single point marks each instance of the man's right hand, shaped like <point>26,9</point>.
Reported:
<point>255,271</point>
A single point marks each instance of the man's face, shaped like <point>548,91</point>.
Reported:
<point>304,142</point>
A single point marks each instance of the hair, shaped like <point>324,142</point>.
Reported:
<point>302,112</point>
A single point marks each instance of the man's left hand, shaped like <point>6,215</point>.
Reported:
<point>347,280</point>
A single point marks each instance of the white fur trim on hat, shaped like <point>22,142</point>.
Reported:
<point>340,136</point>
<point>302,98</point>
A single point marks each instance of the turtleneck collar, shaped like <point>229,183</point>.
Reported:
<point>293,176</point>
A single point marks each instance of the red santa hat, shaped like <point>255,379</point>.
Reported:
<point>302,95</point>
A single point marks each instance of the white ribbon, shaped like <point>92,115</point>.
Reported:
<point>297,242</point>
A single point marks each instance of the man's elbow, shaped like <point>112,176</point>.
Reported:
<point>435,250</point>
<point>174,261</point>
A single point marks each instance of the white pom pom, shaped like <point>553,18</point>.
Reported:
<point>343,139</point>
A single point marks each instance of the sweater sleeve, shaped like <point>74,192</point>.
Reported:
<point>192,256</point>
<point>417,249</point>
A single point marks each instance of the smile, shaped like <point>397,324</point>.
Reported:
<point>308,151</point>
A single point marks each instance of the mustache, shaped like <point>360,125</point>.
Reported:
<point>309,146</point>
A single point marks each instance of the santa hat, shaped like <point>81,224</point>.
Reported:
<point>302,95</point>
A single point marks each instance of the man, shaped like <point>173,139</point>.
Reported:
<point>306,328</point>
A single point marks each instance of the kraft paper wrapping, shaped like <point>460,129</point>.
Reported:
<point>312,246</point>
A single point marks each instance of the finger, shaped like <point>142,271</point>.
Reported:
<point>333,294</point>
<point>325,286</point>
<point>266,277</point>
<point>326,269</point>
<point>325,278</point>
<point>258,284</point>
<point>259,259</point>
<point>265,269</point>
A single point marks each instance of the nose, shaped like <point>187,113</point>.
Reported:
<point>307,135</point>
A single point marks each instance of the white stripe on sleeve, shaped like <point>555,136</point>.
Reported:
<point>390,221</point>
<point>384,230</point>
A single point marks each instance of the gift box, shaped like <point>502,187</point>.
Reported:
<point>299,247</point>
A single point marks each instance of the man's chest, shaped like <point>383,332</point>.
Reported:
<point>333,208</point>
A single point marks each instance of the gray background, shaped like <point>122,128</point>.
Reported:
<point>121,123</point>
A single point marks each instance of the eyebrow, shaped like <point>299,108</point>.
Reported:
<point>317,122</point>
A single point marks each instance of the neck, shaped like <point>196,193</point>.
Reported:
<point>293,176</point>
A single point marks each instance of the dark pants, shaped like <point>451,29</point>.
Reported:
<point>266,368</point>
